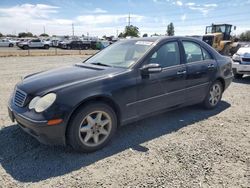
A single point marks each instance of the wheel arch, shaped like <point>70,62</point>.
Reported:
<point>222,81</point>
<point>98,98</point>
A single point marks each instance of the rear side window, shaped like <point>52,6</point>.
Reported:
<point>193,52</point>
<point>206,55</point>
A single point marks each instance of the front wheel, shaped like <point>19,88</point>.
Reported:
<point>92,127</point>
<point>214,95</point>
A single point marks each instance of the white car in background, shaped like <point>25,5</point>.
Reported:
<point>241,62</point>
<point>6,43</point>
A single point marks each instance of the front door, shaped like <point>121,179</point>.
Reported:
<point>166,89</point>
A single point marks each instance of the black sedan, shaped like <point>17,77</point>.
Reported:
<point>75,45</point>
<point>82,105</point>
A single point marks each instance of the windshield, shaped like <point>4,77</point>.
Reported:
<point>121,54</point>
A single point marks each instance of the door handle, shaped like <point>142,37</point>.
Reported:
<point>210,66</point>
<point>181,72</point>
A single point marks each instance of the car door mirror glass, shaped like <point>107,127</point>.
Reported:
<point>151,68</point>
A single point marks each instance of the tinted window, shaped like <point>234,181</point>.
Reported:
<point>167,55</point>
<point>206,55</point>
<point>192,51</point>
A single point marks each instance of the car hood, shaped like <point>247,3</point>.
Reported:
<point>43,82</point>
<point>244,51</point>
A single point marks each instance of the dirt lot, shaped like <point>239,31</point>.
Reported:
<point>190,147</point>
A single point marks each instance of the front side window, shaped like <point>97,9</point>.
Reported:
<point>167,55</point>
<point>193,52</point>
<point>121,54</point>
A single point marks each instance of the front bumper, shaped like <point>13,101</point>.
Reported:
<point>51,135</point>
<point>241,68</point>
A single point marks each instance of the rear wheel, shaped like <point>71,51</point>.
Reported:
<point>214,95</point>
<point>46,47</point>
<point>11,45</point>
<point>238,76</point>
<point>92,127</point>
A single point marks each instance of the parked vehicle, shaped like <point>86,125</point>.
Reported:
<point>82,105</point>
<point>241,62</point>
<point>219,37</point>
<point>34,43</point>
<point>75,44</point>
<point>6,43</point>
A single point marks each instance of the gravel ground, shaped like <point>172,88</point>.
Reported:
<point>189,147</point>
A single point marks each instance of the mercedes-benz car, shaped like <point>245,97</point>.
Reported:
<point>82,105</point>
<point>241,62</point>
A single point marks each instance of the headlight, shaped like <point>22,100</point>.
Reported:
<point>40,104</point>
<point>236,57</point>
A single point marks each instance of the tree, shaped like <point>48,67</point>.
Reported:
<point>145,35</point>
<point>131,31</point>
<point>1,35</point>
<point>10,35</point>
<point>120,35</point>
<point>245,36</point>
<point>170,29</point>
<point>23,34</point>
<point>44,35</point>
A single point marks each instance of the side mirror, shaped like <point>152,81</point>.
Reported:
<point>150,69</point>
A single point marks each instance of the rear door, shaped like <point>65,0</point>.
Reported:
<point>167,88</point>
<point>201,70</point>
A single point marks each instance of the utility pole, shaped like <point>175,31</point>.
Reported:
<point>73,30</point>
<point>129,19</point>
<point>44,29</point>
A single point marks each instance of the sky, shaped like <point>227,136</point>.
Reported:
<point>109,17</point>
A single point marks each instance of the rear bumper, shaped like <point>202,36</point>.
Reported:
<point>228,81</point>
<point>241,68</point>
<point>51,135</point>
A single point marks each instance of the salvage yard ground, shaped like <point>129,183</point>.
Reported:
<point>189,147</point>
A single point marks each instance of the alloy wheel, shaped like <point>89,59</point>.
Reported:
<point>95,128</point>
<point>215,94</point>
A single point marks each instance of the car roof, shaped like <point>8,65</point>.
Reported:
<point>163,38</point>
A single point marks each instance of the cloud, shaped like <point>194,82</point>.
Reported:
<point>99,10</point>
<point>183,17</point>
<point>32,17</point>
<point>179,3</point>
<point>203,8</point>
<point>29,10</point>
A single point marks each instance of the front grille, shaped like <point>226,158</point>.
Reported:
<point>246,59</point>
<point>19,98</point>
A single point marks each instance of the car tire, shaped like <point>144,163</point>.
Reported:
<point>25,47</point>
<point>238,76</point>
<point>68,47</point>
<point>91,127</point>
<point>11,45</point>
<point>46,47</point>
<point>214,95</point>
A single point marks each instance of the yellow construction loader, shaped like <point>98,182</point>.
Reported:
<point>219,37</point>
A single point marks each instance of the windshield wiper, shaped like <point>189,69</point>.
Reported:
<point>101,64</point>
